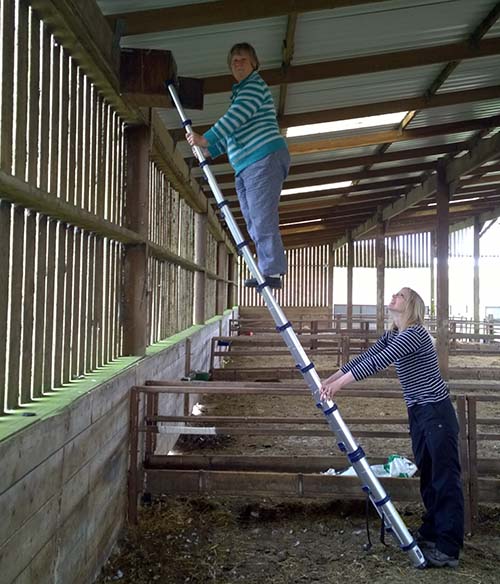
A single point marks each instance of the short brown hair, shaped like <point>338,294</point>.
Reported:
<point>239,48</point>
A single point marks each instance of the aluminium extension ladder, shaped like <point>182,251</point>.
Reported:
<point>392,521</point>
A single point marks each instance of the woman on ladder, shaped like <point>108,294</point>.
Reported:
<point>258,153</point>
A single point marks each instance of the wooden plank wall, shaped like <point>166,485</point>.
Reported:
<point>63,283</point>
<point>61,302</point>
<point>305,284</point>
<point>64,501</point>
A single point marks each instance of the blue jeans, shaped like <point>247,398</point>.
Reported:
<point>434,437</point>
<point>259,187</point>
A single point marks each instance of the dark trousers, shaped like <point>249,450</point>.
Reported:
<point>434,436</point>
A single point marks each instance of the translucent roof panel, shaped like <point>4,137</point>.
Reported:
<point>385,27</point>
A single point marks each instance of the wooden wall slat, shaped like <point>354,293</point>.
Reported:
<point>44,110</point>
<point>84,314</point>
<point>20,104</point>
<point>98,301</point>
<point>28,351</point>
<point>54,146</point>
<point>76,309</point>
<point>41,272</point>
<point>68,305</point>
<point>59,298</point>
<point>7,86</point>
<point>15,307</point>
<point>5,226</point>
<point>89,343</point>
<point>34,90</point>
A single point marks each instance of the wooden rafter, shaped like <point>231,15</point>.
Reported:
<point>288,48</point>
<point>481,153</point>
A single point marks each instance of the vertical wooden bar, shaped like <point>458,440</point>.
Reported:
<point>331,281</point>
<point>62,180</point>
<point>136,262</point>
<point>5,282</point>
<point>476,255</point>
<point>442,240</point>
<point>90,336</point>
<point>15,306</point>
<point>98,301</point>
<point>149,451</point>
<point>54,145</point>
<point>350,270</point>
<point>83,335</point>
<point>133,471</point>
<point>221,272</point>
<point>44,110</point>
<point>464,459</point>
<point>200,257</point>
<point>28,351</point>
<point>111,299</point>
<point>233,288</point>
<point>73,129</point>
<point>432,257</point>
<point>7,38</point>
<point>34,91</point>
<point>69,314</point>
<point>77,330</point>
<point>474,487</point>
<point>59,294</point>
<point>20,103</point>
<point>78,89</point>
<point>40,317</point>
<point>380,267</point>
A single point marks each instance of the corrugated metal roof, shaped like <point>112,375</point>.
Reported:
<point>202,51</point>
<point>385,27</point>
<point>342,33</point>
<point>456,113</point>
<point>474,73</point>
<point>359,89</point>
<point>433,141</point>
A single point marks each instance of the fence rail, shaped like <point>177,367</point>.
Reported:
<point>291,474</point>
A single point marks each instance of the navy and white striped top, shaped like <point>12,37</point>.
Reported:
<point>248,131</point>
<point>413,353</point>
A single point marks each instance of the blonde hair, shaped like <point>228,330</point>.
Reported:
<point>414,312</point>
<point>239,48</point>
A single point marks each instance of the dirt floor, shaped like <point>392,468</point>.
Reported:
<point>232,540</point>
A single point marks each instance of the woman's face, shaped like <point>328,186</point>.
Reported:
<point>399,301</point>
<point>241,65</point>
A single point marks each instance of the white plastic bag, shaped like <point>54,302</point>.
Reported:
<point>398,466</point>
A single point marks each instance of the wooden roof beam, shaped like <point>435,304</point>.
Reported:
<point>485,150</point>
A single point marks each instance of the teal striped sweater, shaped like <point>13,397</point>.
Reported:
<point>248,131</point>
